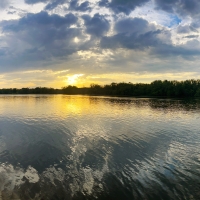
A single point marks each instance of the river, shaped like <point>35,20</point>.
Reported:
<point>110,148</point>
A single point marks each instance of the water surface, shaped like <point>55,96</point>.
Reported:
<point>79,147</point>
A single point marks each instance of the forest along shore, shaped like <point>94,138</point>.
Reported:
<point>158,88</point>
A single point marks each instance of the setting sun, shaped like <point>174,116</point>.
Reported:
<point>71,80</point>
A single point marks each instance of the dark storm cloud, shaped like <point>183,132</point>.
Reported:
<point>74,5</point>
<point>183,7</point>
<point>38,37</point>
<point>124,6</point>
<point>97,25</point>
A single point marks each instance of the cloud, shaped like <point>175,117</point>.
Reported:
<point>40,21</point>
<point>97,25</point>
<point>73,4</point>
<point>132,33</point>
<point>182,7</point>
<point>139,35</point>
<point>35,1</point>
<point>41,40</point>
<point>191,36</point>
<point>166,51</point>
<point>38,37</point>
<point>51,4</point>
<point>54,3</point>
<point>133,25</point>
<point>85,6</point>
<point>122,6</point>
<point>182,29</point>
<point>166,5</point>
<point>74,37</point>
<point>4,4</point>
<point>133,41</point>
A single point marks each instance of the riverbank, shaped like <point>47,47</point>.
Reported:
<point>158,88</point>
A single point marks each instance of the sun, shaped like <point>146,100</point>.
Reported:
<point>71,80</point>
<point>76,40</point>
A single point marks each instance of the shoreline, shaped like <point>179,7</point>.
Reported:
<point>107,96</point>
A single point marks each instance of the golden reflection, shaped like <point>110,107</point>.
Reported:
<point>93,108</point>
<point>91,116</point>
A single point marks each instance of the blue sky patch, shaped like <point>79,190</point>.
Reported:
<point>175,20</point>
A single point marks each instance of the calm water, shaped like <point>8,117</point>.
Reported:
<point>79,147</point>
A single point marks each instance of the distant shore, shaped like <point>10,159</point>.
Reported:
<point>158,88</point>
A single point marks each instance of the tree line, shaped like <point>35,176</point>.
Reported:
<point>158,88</point>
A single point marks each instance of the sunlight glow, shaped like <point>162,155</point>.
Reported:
<point>71,80</point>
<point>76,40</point>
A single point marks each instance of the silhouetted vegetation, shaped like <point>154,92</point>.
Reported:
<point>158,88</point>
<point>37,90</point>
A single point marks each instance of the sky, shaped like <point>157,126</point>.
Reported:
<point>55,43</point>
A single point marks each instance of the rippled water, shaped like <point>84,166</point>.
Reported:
<point>80,147</point>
